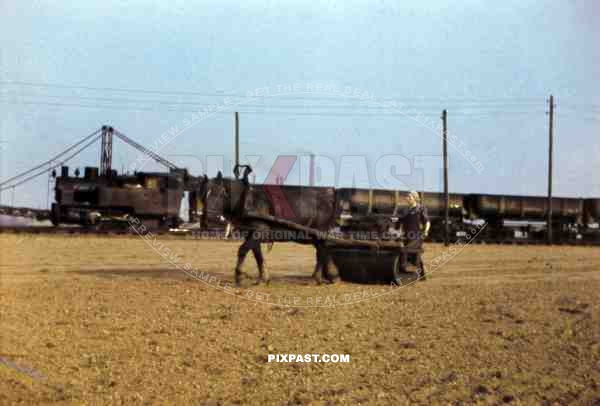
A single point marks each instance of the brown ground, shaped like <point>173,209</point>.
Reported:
<point>107,320</point>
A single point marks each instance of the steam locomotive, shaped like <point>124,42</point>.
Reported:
<point>92,200</point>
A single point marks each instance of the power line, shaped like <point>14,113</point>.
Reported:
<point>382,112</point>
<point>95,133</point>
<point>110,89</point>
<point>279,98</point>
<point>439,100</point>
<point>49,168</point>
<point>370,111</point>
<point>110,99</point>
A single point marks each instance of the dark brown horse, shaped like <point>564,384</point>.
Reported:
<point>246,206</point>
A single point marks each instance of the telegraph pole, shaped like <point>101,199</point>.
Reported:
<point>550,148</point>
<point>446,196</point>
<point>49,181</point>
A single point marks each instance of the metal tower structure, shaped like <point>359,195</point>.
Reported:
<point>106,151</point>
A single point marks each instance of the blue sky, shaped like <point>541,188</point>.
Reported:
<point>67,68</point>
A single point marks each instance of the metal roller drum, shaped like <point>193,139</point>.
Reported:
<point>369,266</point>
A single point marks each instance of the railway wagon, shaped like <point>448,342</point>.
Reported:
<point>154,198</point>
<point>363,201</point>
<point>435,204</point>
<point>359,204</point>
<point>524,217</point>
<point>591,208</point>
<point>367,201</point>
<point>591,219</point>
<point>521,207</point>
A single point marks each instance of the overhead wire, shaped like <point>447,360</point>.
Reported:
<point>230,94</point>
<point>56,157</point>
<point>283,109</point>
<point>111,89</point>
<point>492,106</point>
<point>291,110</point>
<point>474,101</point>
<point>44,171</point>
<point>311,97</point>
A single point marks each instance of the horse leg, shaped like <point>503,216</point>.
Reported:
<point>317,273</point>
<point>242,252</point>
<point>263,275</point>
<point>322,266</point>
<point>324,259</point>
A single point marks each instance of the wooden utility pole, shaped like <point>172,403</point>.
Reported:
<point>237,140</point>
<point>446,196</point>
<point>550,148</point>
<point>48,190</point>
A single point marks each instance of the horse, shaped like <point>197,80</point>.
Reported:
<point>242,204</point>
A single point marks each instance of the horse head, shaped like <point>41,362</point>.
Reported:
<point>226,197</point>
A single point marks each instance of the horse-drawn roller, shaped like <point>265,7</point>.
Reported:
<point>356,260</point>
<point>279,213</point>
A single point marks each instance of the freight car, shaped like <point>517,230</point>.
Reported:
<point>357,205</point>
<point>591,210</point>
<point>508,218</point>
<point>591,219</point>
<point>524,217</point>
<point>92,200</point>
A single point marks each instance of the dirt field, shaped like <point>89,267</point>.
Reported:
<point>89,320</point>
